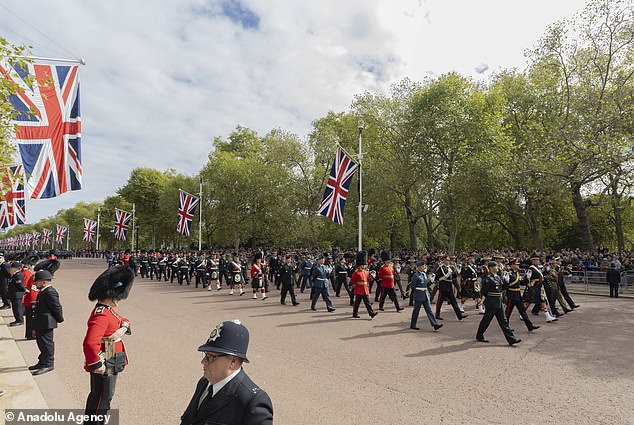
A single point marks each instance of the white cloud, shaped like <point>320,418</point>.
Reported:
<point>164,78</point>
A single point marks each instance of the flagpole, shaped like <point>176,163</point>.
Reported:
<point>200,215</point>
<point>133,211</point>
<point>67,237</point>
<point>41,58</point>
<point>361,125</point>
<point>98,219</point>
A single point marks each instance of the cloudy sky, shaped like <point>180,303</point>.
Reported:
<point>164,77</point>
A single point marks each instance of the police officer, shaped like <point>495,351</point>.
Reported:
<point>492,293</point>
<point>105,323</point>
<point>287,277</point>
<point>225,394</point>
<point>47,313</point>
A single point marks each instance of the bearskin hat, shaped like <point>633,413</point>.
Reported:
<point>257,256</point>
<point>386,256</point>
<point>362,258</point>
<point>115,282</point>
<point>50,266</point>
<point>31,259</point>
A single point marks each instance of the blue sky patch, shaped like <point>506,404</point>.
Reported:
<point>239,14</point>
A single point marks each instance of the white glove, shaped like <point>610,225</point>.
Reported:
<point>529,273</point>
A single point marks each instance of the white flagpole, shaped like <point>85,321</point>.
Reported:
<point>41,58</point>
<point>200,215</point>
<point>133,211</point>
<point>98,220</point>
<point>67,237</point>
<point>360,243</point>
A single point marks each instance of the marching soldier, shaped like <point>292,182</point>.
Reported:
<point>145,264</point>
<point>444,276</point>
<point>492,293</point>
<point>183,270</point>
<point>386,274</point>
<point>235,274</point>
<point>306,267</point>
<point>257,277</point>
<point>535,290</point>
<point>30,295</point>
<point>397,276</point>
<point>174,268</point>
<point>514,297</point>
<point>319,278</point>
<point>420,294</point>
<point>469,283</point>
<point>214,273</point>
<point>360,282</point>
<point>16,293</point>
<point>341,273</point>
<point>104,351</point>
<point>201,271</point>
<point>154,268</point>
<point>287,277</point>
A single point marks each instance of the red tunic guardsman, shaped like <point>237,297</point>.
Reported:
<point>257,273</point>
<point>105,327</point>
<point>360,281</point>
<point>30,295</point>
<point>386,274</point>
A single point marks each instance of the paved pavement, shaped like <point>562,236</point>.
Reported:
<point>326,368</point>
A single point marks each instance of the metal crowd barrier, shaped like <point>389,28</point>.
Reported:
<point>595,282</point>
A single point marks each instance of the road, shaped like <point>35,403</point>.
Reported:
<point>327,368</point>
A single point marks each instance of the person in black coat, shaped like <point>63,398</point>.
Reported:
<point>613,277</point>
<point>16,293</point>
<point>47,313</point>
<point>225,394</point>
<point>5,276</point>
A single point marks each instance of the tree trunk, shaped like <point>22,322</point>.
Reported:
<point>453,226</point>
<point>618,218</point>
<point>583,225</point>
<point>534,217</point>
<point>429,228</point>
<point>411,221</point>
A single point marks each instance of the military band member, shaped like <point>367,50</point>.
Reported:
<point>397,276</point>
<point>173,265</point>
<point>386,274</point>
<point>287,277</point>
<point>360,282</point>
<point>214,273</point>
<point>319,278</point>
<point>444,277</point>
<point>235,274</point>
<point>492,293</point>
<point>553,279</point>
<point>469,287</point>
<point>258,276</point>
<point>535,290</point>
<point>201,271</point>
<point>514,296</point>
<point>154,267</point>
<point>145,264</point>
<point>563,272</point>
<point>420,294</point>
<point>183,270</point>
<point>106,327</point>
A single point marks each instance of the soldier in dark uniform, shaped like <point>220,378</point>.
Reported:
<point>319,283</point>
<point>492,293</point>
<point>444,277</point>
<point>613,277</point>
<point>514,296</point>
<point>341,272</point>
<point>16,293</point>
<point>306,268</point>
<point>468,284</point>
<point>133,263</point>
<point>145,264</point>
<point>183,270</point>
<point>153,267</point>
<point>5,276</point>
<point>173,265</point>
<point>222,270</point>
<point>287,277</point>
<point>213,273</point>
<point>201,271</point>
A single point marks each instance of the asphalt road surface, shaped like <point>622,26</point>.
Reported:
<point>327,368</point>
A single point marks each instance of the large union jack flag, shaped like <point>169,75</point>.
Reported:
<point>48,126</point>
<point>12,209</point>
<point>337,187</point>
<point>121,223</point>
<point>186,209</point>
<point>61,234</point>
<point>36,237</point>
<point>46,236</point>
<point>90,229</point>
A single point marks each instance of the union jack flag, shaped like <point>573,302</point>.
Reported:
<point>121,223</point>
<point>48,126</point>
<point>36,237</point>
<point>61,233</point>
<point>12,210</point>
<point>336,192</point>
<point>46,236</point>
<point>186,208</point>
<point>90,229</point>
<point>29,239</point>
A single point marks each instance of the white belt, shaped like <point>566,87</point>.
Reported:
<point>421,289</point>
